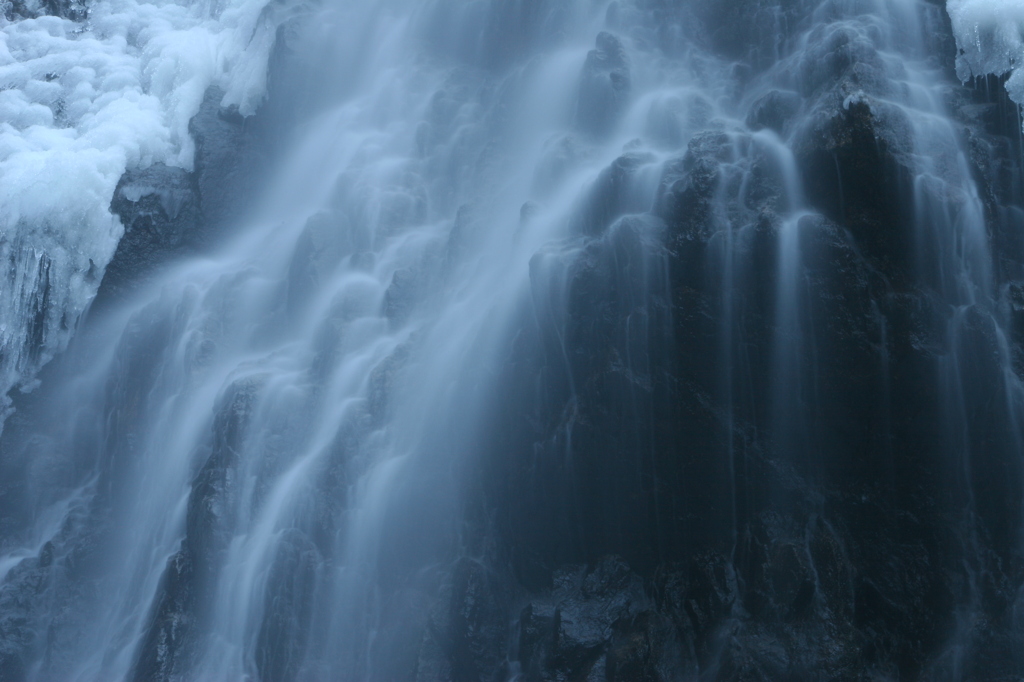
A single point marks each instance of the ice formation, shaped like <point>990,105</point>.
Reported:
<point>990,40</point>
<point>81,102</point>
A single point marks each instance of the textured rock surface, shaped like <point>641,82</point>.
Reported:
<point>604,86</point>
<point>168,648</point>
<point>661,521</point>
<point>169,212</point>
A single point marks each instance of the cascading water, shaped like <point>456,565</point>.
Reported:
<point>567,340</point>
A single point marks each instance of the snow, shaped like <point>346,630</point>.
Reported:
<point>990,40</point>
<point>80,103</point>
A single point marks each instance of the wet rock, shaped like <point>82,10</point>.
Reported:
<point>846,568</point>
<point>711,596</point>
<point>538,624</point>
<point>75,10</point>
<point>159,208</point>
<point>1000,657</point>
<point>633,651</point>
<point>402,295</point>
<point>601,319</point>
<point>848,325</point>
<point>285,630</point>
<point>756,655</point>
<point>669,120</point>
<point>468,634</point>
<point>1013,301</point>
<point>382,382</point>
<point>778,572</point>
<point>595,626</point>
<point>994,465</point>
<point>841,55</point>
<point>775,110</point>
<point>617,191</point>
<point>169,212</point>
<point>465,234</point>
<point>562,154</point>
<point>991,129</point>
<point>324,242</point>
<point>170,641</point>
<point>752,30</point>
<point>792,580</point>
<point>509,29</point>
<point>45,602</point>
<point>226,164</point>
<point>833,572</point>
<point>604,86</point>
<point>856,173</point>
<point>21,633</point>
<point>691,185</point>
<point>590,602</point>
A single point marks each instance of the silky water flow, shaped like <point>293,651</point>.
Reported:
<point>263,465</point>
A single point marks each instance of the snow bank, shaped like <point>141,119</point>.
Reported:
<point>79,104</point>
<point>990,40</point>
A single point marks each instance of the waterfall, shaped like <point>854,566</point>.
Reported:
<point>626,340</point>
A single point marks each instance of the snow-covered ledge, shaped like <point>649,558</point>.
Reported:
<point>81,102</point>
<point>990,40</point>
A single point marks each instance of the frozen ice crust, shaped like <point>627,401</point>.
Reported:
<point>81,103</point>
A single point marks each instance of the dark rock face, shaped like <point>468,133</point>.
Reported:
<point>590,617</point>
<point>468,633</point>
<point>857,174</point>
<point>159,207</point>
<point>168,648</point>
<point>226,161</point>
<point>285,632</point>
<point>604,86</point>
<point>169,212</point>
<point>400,298</point>
<point>18,627</point>
<point>614,194</point>
<point>667,509</point>
<point>774,111</point>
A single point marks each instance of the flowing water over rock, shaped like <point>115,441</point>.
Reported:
<point>628,340</point>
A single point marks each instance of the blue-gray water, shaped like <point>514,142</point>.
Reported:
<point>551,341</point>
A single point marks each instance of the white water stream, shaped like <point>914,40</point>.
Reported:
<point>283,426</point>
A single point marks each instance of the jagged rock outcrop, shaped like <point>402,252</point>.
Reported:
<point>604,86</point>
<point>169,212</point>
<point>826,532</point>
<point>169,644</point>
